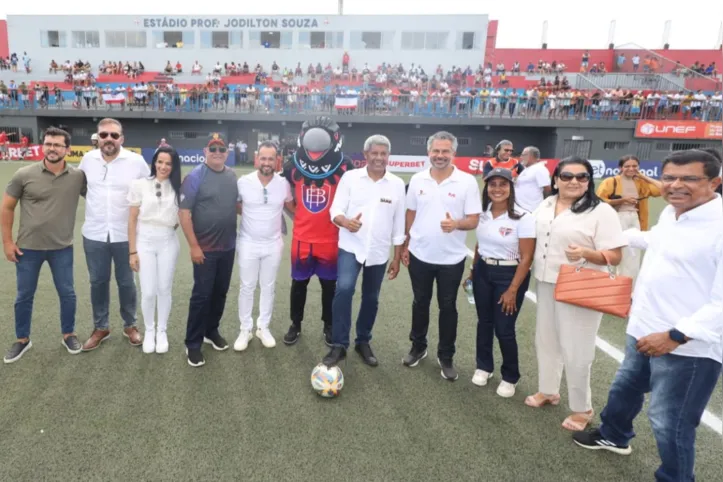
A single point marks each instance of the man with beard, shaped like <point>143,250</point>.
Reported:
<point>110,171</point>
<point>262,197</point>
<point>48,192</point>
<point>442,203</point>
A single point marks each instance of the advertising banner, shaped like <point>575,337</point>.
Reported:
<point>475,165</point>
<point>189,157</point>
<point>33,152</point>
<point>605,169</point>
<point>669,129</point>
<point>399,164</point>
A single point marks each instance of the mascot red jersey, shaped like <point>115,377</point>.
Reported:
<point>314,171</point>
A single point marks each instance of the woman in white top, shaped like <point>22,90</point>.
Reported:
<point>153,243</point>
<point>573,227</point>
<point>500,277</point>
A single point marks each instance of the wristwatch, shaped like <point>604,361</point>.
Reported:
<point>677,336</point>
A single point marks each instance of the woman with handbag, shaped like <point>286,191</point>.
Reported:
<point>573,227</point>
<point>500,276</point>
<point>628,193</point>
<point>153,243</point>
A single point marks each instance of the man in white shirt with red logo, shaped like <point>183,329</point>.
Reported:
<point>263,195</point>
<point>369,208</point>
<point>674,330</point>
<point>442,203</point>
<point>533,183</point>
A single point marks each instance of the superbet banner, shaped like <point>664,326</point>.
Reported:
<point>475,165</point>
<point>679,130</point>
<point>34,152</point>
<point>396,163</point>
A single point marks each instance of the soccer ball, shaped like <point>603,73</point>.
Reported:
<point>327,382</point>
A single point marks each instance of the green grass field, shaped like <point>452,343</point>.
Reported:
<point>117,414</point>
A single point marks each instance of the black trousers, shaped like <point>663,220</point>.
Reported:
<point>298,300</point>
<point>448,278</point>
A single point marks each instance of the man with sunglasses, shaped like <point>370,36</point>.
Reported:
<point>48,193</point>
<point>503,159</point>
<point>262,196</point>
<point>110,169</point>
<point>209,195</point>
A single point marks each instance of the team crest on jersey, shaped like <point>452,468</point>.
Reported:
<point>315,199</point>
<point>505,231</point>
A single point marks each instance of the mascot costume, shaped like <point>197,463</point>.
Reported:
<point>314,171</point>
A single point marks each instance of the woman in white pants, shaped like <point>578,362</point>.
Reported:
<point>573,227</point>
<point>153,243</point>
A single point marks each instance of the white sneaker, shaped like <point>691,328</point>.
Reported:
<point>480,377</point>
<point>242,342</point>
<point>506,389</point>
<point>149,342</point>
<point>266,338</point>
<point>161,342</point>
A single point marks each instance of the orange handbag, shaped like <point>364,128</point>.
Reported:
<point>602,291</point>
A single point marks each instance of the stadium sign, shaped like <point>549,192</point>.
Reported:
<point>678,130</point>
<point>216,22</point>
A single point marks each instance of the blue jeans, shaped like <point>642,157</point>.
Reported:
<point>680,389</point>
<point>27,271</point>
<point>211,281</point>
<point>348,269</point>
<point>99,256</point>
<point>489,283</point>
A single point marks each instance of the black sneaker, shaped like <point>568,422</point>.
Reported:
<point>337,354</point>
<point>292,336</point>
<point>365,351</point>
<point>414,357</point>
<point>72,345</point>
<point>17,351</point>
<point>593,440</point>
<point>327,337</point>
<point>217,341</point>
<point>195,357</point>
<point>448,370</point>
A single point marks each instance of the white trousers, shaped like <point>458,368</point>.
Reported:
<point>157,254</point>
<point>258,263</point>
<point>630,264</point>
<point>565,339</point>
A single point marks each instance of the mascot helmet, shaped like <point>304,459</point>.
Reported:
<point>319,138</point>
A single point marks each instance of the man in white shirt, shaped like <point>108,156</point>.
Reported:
<point>110,169</point>
<point>262,197</point>
<point>533,183</point>
<point>674,330</point>
<point>369,208</point>
<point>442,203</point>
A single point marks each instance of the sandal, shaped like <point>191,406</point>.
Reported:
<point>540,399</point>
<point>578,421</point>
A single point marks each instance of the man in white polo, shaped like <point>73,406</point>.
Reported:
<point>369,208</point>
<point>263,194</point>
<point>533,183</point>
<point>442,204</point>
<point>110,169</point>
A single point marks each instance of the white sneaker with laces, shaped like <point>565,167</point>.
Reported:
<point>242,342</point>
<point>506,389</point>
<point>481,377</point>
<point>266,338</point>
<point>161,342</point>
<point>149,342</point>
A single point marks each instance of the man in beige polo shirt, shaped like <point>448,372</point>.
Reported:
<point>48,192</point>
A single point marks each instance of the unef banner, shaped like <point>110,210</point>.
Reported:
<point>679,130</point>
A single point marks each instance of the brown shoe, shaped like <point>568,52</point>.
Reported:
<point>96,338</point>
<point>133,335</point>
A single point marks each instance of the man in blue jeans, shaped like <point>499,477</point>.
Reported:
<point>209,196</point>
<point>369,207</point>
<point>676,321</point>
<point>48,192</point>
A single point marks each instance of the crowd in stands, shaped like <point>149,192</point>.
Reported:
<point>12,62</point>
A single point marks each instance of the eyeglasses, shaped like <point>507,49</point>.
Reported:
<point>158,191</point>
<point>105,173</point>
<point>507,150</point>
<point>266,196</point>
<point>214,149</point>
<point>581,177</point>
<point>114,135</point>
<point>668,179</point>
<point>48,145</point>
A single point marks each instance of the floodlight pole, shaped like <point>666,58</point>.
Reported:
<point>341,7</point>
<point>611,35</point>
<point>666,34</point>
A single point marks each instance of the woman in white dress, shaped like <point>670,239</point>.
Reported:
<point>153,243</point>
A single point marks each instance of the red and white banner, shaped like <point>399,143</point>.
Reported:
<point>114,98</point>
<point>475,165</point>
<point>679,130</point>
<point>410,164</point>
<point>34,152</point>
<point>346,101</point>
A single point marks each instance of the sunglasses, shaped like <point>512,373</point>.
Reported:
<point>215,149</point>
<point>581,177</point>
<point>114,135</point>
<point>266,196</point>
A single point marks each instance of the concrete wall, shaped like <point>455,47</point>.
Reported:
<point>27,33</point>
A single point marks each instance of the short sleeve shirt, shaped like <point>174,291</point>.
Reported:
<point>529,186</point>
<point>597,228</point>
<point>499,238</point>
<point>211,196</point>
<point>262,207</point>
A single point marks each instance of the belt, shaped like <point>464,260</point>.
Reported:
<point>500,262</point>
